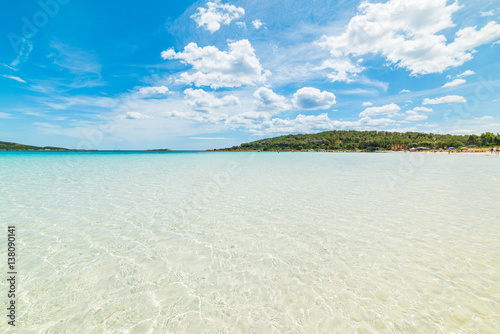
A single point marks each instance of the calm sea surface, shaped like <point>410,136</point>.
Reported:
<point>207,242</point>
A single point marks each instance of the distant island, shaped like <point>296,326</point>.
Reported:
<point>6,146</point>
<point>367,141</point>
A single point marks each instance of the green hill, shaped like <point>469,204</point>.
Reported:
<point>341,140</point>
<point>6,146</point>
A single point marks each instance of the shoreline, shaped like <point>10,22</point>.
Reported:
<point>483,153</point>
<point>419,152</point>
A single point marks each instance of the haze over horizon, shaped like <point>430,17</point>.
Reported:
<point>204,75</point>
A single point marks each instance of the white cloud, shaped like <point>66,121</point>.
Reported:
<point>84,66</point>
<point>301,123</point>
<point>405,91</point>
<point>200,100</point>
<point>23,53</point>
<point>257,24</point>
<point>343,69</point>
<point>215,14</point>
<point>4,115</point>
<point>489,13</point>
<point>196,116</point>
<point>8,76</point>
<point>466,73</point>
<point>416,118</point>
<point>315,123</point>
<point>388,109</point>
<point>407,34</point>
<point>55,106</point>
<point>358,91</point>
<point>135,115</point>
<point>147,91</point>
<point>445,99</point>
<point>248,119</point>
<point>9,67</point>
<point>266,99</point>
<point>100,102</point>
<point>366,104</point>
<point>484,118</point>
<point>367,122</point>
<point>310,98</point>
<point>456,82</point>
<point>212,67</point>
<point>425,109</point>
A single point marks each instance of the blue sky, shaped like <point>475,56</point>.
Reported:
<point>213,74</point>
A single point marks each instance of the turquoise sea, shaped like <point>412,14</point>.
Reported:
<point>235,242</point>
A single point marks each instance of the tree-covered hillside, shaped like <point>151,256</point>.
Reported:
<point>366,141</point>
<point>6,146</point>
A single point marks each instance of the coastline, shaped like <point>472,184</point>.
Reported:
<point>484,153</point>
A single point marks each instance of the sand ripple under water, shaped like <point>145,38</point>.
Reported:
<point>254,243</point>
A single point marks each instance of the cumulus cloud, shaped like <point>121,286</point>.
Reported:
<point>416,118</point>
<point>445,99</point>
<point>214,14</point>
<point>407,34</point>
<point>456,82</point>
<point>405,91</point>
<point>200,100</point>
<point>266,99</point>
<point>147,91</point>
<point>135,115</point>
<point>425,109</point>
<point>310,98</point>
<point>18,79</point>
<point>412,112</point>
<point>466,73</point>
<point>366,104</point>
<point>249,119</point>
<point>212,67</point>
<point>388,109</point>
<point>301,123</point>
<point>343,69</point>
<point>257,24</point>
<point>315,123</point>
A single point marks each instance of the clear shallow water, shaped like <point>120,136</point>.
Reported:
<point>262,243</point>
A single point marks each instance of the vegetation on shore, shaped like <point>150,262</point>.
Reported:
<point>350,140</point>
<point>6,146</point>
